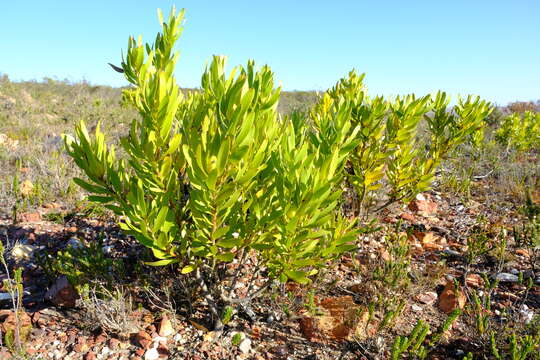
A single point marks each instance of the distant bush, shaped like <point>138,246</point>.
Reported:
<point>524,106</point>
<point>520,131</point>
<point>296,101</point>
<point>389,163</point>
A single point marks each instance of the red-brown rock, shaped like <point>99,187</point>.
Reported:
<point>62,293</point>
<point>114,343</point>
<point>390,220</point>
<point>165,327</point>
<point>10,322</point>
<point>428,298</point>
<point>30,217</point>
<point>101,338</point>
<point>81,346</point>
<point>474,280</point>
<point>432,247</point>
<point>342,319</point>
<point>451,298</point>
<point>90,356</point>
<point>408,217</point>
<point>52,205</point>
<point>163,351</point>
<point>423,206</point>
<point>523,252</point>
<point>143,339</point>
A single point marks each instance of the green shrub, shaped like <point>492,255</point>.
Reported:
<point>81,264</point>
<point>515,347</point>
<point>413,345</point>
<point>215,176</point>
<point>389,163</point>
<point>520,131</point>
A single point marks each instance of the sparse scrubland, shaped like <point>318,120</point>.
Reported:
<point>239,221</point>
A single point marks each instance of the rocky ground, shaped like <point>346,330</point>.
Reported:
<point>329,320</point>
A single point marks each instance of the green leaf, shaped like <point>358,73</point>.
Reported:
<point>227,257</point>
<point>229,243</point>
<point>174,144</point>
<point>298,276</point>
<point>100,199</point>
<point>304,262</point>
<point>262,246</point>
<point>187,269</point>
<point>160,16</point>
<point>89,187</point>
<point>162,262</point>
<point>160,219</point>
<point>220,232</point>
<point>211,179</point>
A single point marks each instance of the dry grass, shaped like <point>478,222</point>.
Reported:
<point>35,115</point>
<point>110,311</point>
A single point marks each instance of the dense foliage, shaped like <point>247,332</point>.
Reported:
<point>217,182</point>
<point>520,131</point>
<point>214,175</point>
<point>390,163</point>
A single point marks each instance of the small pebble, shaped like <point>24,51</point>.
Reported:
<point>245,346</point>
<point>451,253</point>
<point>526,314</point>
<point>151,354</point>
<point>507,277</point>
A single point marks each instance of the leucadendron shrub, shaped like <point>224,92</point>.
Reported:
<point>520,131</point>
<point>389,163</point>
<point>215,181</point>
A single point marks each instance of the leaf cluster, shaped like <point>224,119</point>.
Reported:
<point>389,163</point>
<point>520,131</point>
<point>213,176</point>
<point>215,180</point>
<point>81,264</point>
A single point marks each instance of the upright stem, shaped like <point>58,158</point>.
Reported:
<point>388,203</point>
<point>212,305</point>
<point>237,272</point>
<point>248,297</point>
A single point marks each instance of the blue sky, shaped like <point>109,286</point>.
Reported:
<point>485,47</point>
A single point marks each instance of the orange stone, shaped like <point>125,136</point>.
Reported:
<point>451,298</point>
